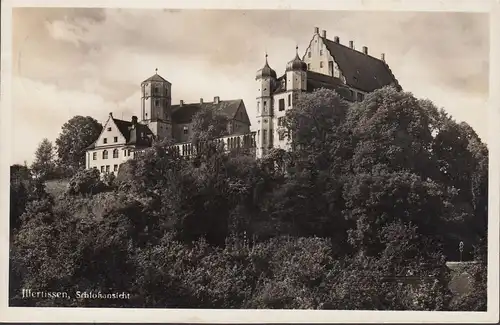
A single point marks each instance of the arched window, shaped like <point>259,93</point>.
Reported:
<point>105,154</point>
<point>115,153</point>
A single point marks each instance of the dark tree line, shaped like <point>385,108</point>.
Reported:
<point>363,214</point>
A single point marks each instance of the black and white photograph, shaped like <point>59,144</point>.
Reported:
<point>248,159</point>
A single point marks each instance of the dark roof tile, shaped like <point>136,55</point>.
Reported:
<point>318,80</point>
<point>156,77</point>
<point>184,113</point>
<point>360,70</point>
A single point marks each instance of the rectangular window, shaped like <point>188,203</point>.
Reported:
<point>156,90</point>
<point>115,168</point>
<point>282,104</point>
<point>320,52</point>
<point>102,169</point>
<point>321,64</point>
<point>109,129</point>
<point>330,68</point>
<point>289,100</point>
<point>309,54</point>
<point>185,130</point>
<point>264,136</point>
<point>107,168</point>
<point>360,97</point>
<point>308,66</point>
<point>105,140</point>
<point>115,139</point>
<point>94,156</point>
<point>281,135</point>
<point>157,102</point>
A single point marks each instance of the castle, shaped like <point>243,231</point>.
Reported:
<point>325,64</point>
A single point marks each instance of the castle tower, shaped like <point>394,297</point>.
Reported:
<point>156,106</point>
<point>296,74</point>
<point>266,81</point>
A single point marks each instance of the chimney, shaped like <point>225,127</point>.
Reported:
<point>201,100</point>
<point>365,50</point>
<point>351,44</point>
<point>316,30</point>
<point>382,57</point>
<point>323,33</point>
<point>216,100</point>
<point>134,120</point>
<point>336,39</point>
<point>181,103</point>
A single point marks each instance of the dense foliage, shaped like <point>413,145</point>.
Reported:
<point>363,214</point>
<point>76,135</point>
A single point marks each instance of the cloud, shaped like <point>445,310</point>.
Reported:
<point>91,61</point>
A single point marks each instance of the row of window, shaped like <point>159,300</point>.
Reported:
<point>105,140</point>
<point>156,90</point>
<point>107,168</point>
<point>105,154</point>
<point>281,103</point>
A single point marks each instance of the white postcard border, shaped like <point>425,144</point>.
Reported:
<point>108,315</point>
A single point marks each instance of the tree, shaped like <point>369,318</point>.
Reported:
<point>44,166</point>
<point>209,124</point>
<point>76,135</point>
<point>86,181</point>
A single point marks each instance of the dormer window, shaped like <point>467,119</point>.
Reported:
<point>185,130</point>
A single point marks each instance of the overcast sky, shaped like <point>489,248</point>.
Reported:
<point>69,62</point>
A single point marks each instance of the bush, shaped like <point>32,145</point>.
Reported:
<point>86,182</point>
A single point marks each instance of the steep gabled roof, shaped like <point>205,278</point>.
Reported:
<point>139,135</point>
<point>360,70</point>
<point>185,113</point>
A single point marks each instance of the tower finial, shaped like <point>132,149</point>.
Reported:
<point>156,70</point>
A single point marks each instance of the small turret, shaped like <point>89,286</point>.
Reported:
<point>296,64</point>
<point>266,72</point>
<point>296,73</point>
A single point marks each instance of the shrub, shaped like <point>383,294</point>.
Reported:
<point>86,182</point>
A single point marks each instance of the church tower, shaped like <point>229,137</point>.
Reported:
<point>156,104</point>
<point>266,81</point>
